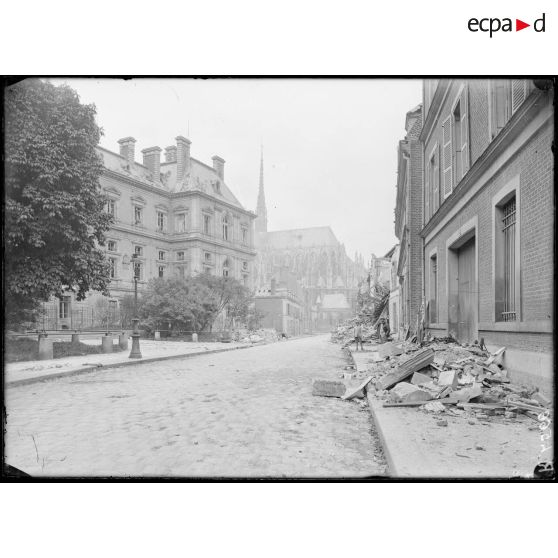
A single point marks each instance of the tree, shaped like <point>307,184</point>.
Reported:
<point>192,302</point>
<point>54,218</point>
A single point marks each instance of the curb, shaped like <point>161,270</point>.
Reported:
<point>383,440</point>
<point>131,362</point>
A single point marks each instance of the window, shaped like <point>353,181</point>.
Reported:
<point>433,303</point>
<point>161,255</point>
<point>181,271</point>
<point>111,246</point>
<point>64,307</point>
<point>244,235</point>
<point>112,268</point>
<point>138,215</point>
<point>138,250</point>
<point>111,208</point>
<point>181,223</point>
<point>206,224</point>
<point>161,271</point>
<point>161,221</point>
<point>207,256</point>
<point>432,194</point>
<point>180,256</point>
<point>508,219</point>
<point>245,280</point>
<point>460,137</point>
<point>226,227</point>
<point>226,266</point>
<point>244,266</point>
<point>505,97</point>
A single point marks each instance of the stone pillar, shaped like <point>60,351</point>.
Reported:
<point>195,337</point>
<point>45,348</point>
<point>157,336</point>
<point>107,343</point>
<point>75,338</point>
<point>123,340</point>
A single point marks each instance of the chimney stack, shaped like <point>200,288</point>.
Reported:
<point>182,156</point>
<point>152,160</point>
<point>219,166</point>
<point>170,154</point>
<point>127,148</point>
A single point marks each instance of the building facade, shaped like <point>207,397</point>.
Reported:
<point>318,261</point>
<point>281,306</point>
<point>408,223</point>
<point>488,218</point>
<point>175,217</point>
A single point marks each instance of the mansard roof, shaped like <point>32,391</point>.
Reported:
<point>200,177</point>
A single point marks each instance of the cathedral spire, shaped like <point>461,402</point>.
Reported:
<point>261,221</point>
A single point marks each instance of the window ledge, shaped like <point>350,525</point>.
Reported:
<point>543,326</point>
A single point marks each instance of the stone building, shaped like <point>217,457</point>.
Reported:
<point>488,218</point>
<point>281,305</point>
<point>317,260</point>
<point>177,217</point>
<point>408,222</point>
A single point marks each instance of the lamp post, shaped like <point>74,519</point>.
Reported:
<point>135,352</point>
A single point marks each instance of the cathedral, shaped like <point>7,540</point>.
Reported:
<point>327,280</point>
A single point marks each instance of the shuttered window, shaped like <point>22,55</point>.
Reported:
<point>464,106</point>
<point>436,180</point>
<point>427,194</point>
<point>447,156</point>
<point>518,93</point>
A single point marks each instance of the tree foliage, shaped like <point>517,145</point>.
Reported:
<point>192,303</point>
<point>54,214</point>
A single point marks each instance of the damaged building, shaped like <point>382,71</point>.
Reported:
<point>480,266</point>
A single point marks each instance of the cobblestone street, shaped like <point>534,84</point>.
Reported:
<point>240,413</point>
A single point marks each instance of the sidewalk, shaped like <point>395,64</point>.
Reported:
<point>21,373</point>
<point>415,446</point>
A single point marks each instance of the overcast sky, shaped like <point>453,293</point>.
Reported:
<point>329,145</point>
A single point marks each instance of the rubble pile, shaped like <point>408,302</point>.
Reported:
<point>457,379</point>
<point>441,376</point>
<point>257,336</point>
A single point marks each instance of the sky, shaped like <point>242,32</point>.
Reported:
<point>330,146</point>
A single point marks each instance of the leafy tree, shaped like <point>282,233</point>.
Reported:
<point>192,302</point>
<point>54,217</point>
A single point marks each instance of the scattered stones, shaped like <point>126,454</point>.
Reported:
<point>405,392</point>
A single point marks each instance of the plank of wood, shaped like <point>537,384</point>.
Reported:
<point>422,359</point>
<point>446,401</point>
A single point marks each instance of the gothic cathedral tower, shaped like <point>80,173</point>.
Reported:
<point>261,211</point>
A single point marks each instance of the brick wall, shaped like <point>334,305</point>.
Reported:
<point>533,164</point>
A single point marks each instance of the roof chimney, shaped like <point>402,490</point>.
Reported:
<point>152,160</point>
<point>170,154</point>
<point>127,148</point>
<point>182,157</point>
<point>219,166</point>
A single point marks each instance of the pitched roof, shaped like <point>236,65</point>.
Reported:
<point>299,238</point>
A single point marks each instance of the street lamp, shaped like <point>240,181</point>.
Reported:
<point>135,352</point>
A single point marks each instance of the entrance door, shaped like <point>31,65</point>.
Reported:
<point>466,293</point>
